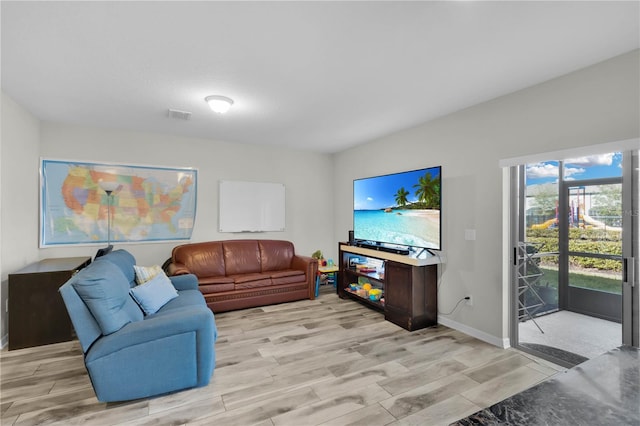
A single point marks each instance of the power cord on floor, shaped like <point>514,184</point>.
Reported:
<point>455,307</point>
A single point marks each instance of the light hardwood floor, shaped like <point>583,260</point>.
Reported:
<point>322,362</point>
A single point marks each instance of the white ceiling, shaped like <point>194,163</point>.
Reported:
<point>320,76</point>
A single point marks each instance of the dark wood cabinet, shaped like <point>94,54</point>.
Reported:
<point>409,285</point>
<point>411,295</point>
<point>37,315</point>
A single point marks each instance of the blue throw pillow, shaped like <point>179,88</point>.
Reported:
<point>154,294</point>
<point>104,288</point>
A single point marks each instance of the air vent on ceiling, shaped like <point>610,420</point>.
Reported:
<point>179,115</point>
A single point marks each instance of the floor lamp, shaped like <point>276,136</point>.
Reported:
<point>109,188</point>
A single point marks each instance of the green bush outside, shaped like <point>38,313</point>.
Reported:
<point>611,285</point>
<point>581,240</point>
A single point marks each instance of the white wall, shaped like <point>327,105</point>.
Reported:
<point>307,200</point>
<point>19,193</point>
<point>595,105</point>
<point>306,176</point>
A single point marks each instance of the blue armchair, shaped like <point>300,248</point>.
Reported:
<point>129,354</point>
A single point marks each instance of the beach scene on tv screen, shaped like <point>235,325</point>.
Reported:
<point>401,208</point>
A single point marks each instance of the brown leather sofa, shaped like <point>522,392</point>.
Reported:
<point>238,274</point>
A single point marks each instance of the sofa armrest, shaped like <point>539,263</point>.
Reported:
<point>197,318</point>
<point>310,267</point>
<point>163,353</point>
<point>175,268</point>
<point>184,282</point>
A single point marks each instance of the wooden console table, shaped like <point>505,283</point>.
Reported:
<point>37,314</point>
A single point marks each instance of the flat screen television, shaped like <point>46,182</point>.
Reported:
<point>400,209</point>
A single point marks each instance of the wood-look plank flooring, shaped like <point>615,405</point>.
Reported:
<point>322,362</point>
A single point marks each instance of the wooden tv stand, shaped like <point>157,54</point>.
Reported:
<point>409,285</point>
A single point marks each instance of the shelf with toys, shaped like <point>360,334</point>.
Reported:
<point>405,293</point>
<point>365,281</point>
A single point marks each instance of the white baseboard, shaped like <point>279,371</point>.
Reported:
<point>4,341</point>
<point>503,343</point>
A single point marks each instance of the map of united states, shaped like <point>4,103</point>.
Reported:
<point>145,205</point>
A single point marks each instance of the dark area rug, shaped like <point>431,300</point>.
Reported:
<point>568,357</point>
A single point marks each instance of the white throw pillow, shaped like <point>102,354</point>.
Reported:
<point>145,273</point>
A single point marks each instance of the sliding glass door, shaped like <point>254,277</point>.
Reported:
<point>575,243</point>
<point>591,260</point>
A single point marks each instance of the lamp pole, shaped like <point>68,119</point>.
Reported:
<point>109,188</point>
<point>108,217</point>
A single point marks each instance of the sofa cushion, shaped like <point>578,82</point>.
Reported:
<point>186,299</point>
<point>209,285</point>
<point>104,288</point>
<point>145,273</point>
<point>275,255</point>
<point>245,278</point>
<point>215,280</point>
<point>154,294</point>
<point>84,323</point>
<point>241,257</point>
<point>216,288</point>
<point>287,273</point>
<point>252,281</point>
<point>125,261</point>
<point>202,259</point>
<point>254,284</point>
<point>288,277</point>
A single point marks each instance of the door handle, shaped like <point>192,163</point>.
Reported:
<point>628,270</point>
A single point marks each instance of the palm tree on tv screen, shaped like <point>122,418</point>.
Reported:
<point>401,197</point>
<point>428,191</point>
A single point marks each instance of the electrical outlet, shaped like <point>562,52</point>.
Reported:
<point>469,300</point>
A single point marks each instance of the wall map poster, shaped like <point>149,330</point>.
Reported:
<point>148,204</point>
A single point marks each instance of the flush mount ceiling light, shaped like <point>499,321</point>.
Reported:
<point>219,104</point>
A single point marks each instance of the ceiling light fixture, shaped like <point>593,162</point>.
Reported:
<point>219,104</point>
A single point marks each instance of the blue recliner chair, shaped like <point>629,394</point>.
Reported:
<point>129,352</point>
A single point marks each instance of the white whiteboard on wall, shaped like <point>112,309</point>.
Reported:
<point>251,206</point>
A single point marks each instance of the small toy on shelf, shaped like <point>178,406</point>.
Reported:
<point>365,268</point>
<point>375,294</point>
<point>319,257</point>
